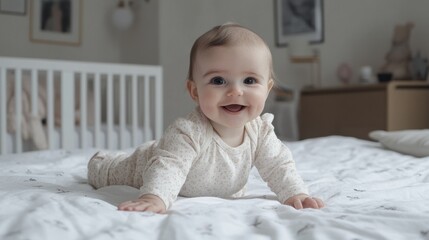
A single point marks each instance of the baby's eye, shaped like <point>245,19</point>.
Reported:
<point>217,81</point>
<point>249,80</point>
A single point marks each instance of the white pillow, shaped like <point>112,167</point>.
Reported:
<point>411,142</point>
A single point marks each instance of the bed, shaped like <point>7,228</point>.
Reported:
<point>57,104</point>
<point>370,193</point>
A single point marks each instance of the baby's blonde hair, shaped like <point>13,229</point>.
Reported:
<point>224,35</point>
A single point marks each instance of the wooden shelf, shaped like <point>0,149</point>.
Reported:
<point>307,59</point>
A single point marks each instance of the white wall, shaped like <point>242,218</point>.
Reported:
<point>358,32</point>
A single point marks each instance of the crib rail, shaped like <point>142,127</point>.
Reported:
<point>136,90</point>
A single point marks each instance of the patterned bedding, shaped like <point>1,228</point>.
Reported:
<point>370,193</point>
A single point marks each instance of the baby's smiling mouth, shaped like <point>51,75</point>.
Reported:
<point>234,107</point>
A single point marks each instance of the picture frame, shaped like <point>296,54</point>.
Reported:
<point>56,22</point>
<point>299,19</point>
<point>18,7</point>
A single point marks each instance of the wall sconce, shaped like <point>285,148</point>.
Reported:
<point>122,16</point>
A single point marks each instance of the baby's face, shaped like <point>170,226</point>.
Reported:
<point>231,84</point>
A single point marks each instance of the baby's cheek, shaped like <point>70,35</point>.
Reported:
<point>207,109</point>
<point>259,101</point>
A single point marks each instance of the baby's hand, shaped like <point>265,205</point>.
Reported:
<point>301,201</point>
<point>147,202</point>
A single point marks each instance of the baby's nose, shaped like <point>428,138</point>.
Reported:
<point>235,90</point>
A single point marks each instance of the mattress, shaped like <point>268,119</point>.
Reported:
<point>370,193</point>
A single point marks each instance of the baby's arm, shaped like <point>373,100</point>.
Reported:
<point>301,201</point>
<point>147,202</point>
<point>276,166</point>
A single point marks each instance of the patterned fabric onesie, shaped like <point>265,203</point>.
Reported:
<point>192,160</point>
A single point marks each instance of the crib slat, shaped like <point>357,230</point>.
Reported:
<point>3,100</point>
<point>34,105</point>
<point>18,107</point>
<point>83,110</point>
<point>146,115</point>
<point>158,105</point>
<point>67,112</point>
<point>122,111</point>
<point>50,107</point>
<point>134,110</point>
<point>97,110</point>
<point>34,93</point>
<point>110,111</point>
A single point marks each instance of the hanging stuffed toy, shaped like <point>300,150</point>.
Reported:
<point>31,124</point>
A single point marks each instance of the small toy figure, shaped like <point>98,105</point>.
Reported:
<point>399,56</point>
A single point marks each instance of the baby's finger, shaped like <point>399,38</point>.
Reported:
<point>297,204</point>
<point>141,206</point>
<point>132,206</point>
<point>310,203</point>
<point>319,202</point>
<point>125,205</point>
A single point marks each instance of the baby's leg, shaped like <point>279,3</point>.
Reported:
<point>105,169</point>
<point>103,164</point>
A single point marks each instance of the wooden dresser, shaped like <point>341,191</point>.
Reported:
<point>356,110</point>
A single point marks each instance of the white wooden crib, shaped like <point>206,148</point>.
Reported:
<point>126,99</point>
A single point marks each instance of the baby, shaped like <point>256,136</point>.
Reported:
<point>212,150</point>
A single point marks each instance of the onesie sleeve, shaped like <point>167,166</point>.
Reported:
<point>172,159</point>
<point>274,161</point>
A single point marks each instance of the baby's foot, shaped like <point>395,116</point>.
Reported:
<point>96,177</point>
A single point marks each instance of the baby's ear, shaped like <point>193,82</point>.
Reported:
<point>270,84</point>
<point>192,89</point>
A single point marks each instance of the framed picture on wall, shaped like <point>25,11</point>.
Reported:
<point>301,19</point>
<point>56,21</point>
<point>13,6</point>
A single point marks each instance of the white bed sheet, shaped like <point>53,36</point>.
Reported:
<point>370,193</point>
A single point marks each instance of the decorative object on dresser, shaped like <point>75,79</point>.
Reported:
<point>356,110</point>
<point>384,77</point>
<point>399,56</point>
<point>366,75</point>
<point>344,73</point>
<point>419,67</point>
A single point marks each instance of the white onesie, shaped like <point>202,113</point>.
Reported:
<point>192,160</point>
